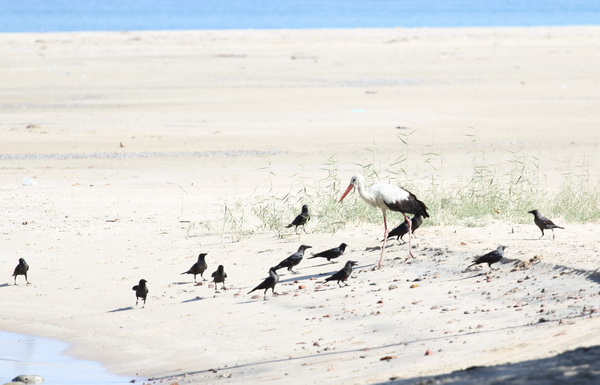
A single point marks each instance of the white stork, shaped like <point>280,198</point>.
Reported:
<point>388,197</point>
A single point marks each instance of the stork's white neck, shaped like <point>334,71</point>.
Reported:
<point>365,194</point>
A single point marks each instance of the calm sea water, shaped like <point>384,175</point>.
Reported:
<point>21,354</point>
<point>120,15</point>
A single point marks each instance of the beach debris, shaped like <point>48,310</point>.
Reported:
<point>524,265</point>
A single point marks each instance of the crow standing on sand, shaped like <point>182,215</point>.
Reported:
<point>21,269</point>
<point>301,219</point>
<point>331,253</point>
<point>490,258</point>
<point>198,267</point>
<point>543,223</point>
<point>402,229</point>
<point>141,291</point>
<point>342,275</point>
<point>219,277</point>
<point>268,283</point>
<point>292,260</point>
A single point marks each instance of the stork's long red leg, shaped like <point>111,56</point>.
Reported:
<point>385,236</point>
<point>409,235</point>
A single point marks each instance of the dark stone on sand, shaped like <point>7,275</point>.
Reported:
<point>28,379</point>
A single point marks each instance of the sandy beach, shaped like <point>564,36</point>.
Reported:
<point>120,151</point>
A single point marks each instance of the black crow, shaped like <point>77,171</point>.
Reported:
<point>21,269</point>
<point>198,267</point>
<point>219,276</point>
<point>490,258</point>
<point>342,275</point>
<point>268,283</point>
<point>544,223</point>
<point>292,260</point>
<point>331,253</point>
<point>402,229</point>
<point>141,291</point>
<point>301,219</point>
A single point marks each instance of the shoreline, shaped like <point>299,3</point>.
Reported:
<point>319,29</point>
<point>36,355</point>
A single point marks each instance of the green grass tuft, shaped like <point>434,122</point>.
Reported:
<point>484,196</point>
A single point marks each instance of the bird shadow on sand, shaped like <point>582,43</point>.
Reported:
<point>479,274</point>
<point>120,309</point>
<point>195,299</point>
<point>183,283</point>
<point>300,277</point>
<point>261,299</point>
<point>549,239</point>
<point>324,275</point>
<point>5,285</point>
<point>332,286</point>
<point>388,246</point>
<point>330,264</point>
<point>336,268</point>
<point>594,277</point>
<point>591,275</point>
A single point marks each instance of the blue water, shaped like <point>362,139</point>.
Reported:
<point>128,15</point>
<point>21,354</point>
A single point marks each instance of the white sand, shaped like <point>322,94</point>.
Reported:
<point>90,227</point>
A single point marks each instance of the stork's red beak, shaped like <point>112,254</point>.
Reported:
<point>350,187</point>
